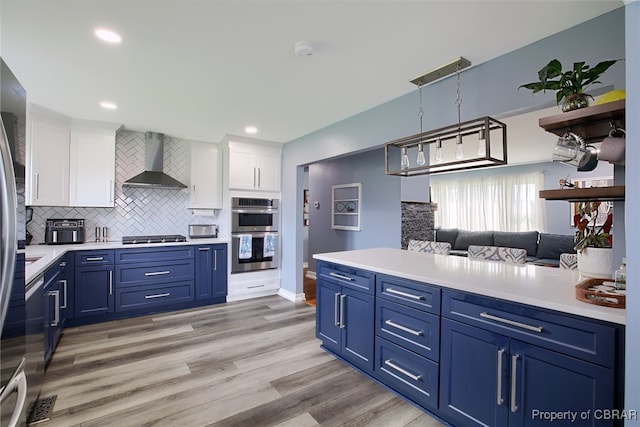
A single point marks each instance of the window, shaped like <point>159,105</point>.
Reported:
<point>501,202</point>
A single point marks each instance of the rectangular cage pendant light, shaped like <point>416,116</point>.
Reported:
<point>472,144</point>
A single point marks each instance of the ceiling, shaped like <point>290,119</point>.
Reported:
<point>199,69</point>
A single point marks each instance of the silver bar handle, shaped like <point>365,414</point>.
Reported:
<point>215,260</point>
<point>54,236</point>
<point>56,316</point>
<point>166,294</point>
<point>336,302</point>
<point>111,191</point>
<point>392,365</point>
<point>95,258</point>
<point>341,276</point>
<point>403,328</point>
<point>258,177</point>
<point>74,235</point>
<point>37,184</point>
<point>64,299</point>
<point>511,322</point>
<point>514,382</point>
<point>110,282</point>
<point>500,399</point>
<point>342,304</point>
<point>158,273</point>
<point>404,294</point>
<point>204,249</point>
<point>256,286</point>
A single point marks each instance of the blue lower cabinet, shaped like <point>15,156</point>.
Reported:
<point>131,298</point>
<point>93,290</point>
<point>490,379</point>
<point>408,373</point>
<point>211,272</point>
<point>345,323</point>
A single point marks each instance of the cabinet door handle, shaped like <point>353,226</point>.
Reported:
<point>336,310</point>
<point>166,294</point>
<point>111,191</point>
<point>204,249</point>
<point>511,322</point>
<point>514,382</point>
<point>95,258</point>
<point>340,276</point>
<point>36,183</point>
<point>195,194</point>
<point>392,365</point>
<point>64,295</point>
<point>158,273</point>
<point>258,177</point>
<point>56,316</point>
<point>403,328</point>
<point>405,294</point>
<point>110,282</point>
<point>500,399</point>
<point>254,178</point>
<point>215,260</point>
<point>343,299</point>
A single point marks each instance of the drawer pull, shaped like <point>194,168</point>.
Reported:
<point>255,286</point>
<point>405,294</point>
<point>403,328</point>
<point>511,322</point>
<point>392,365</point>
<point>204,249</point>
<point>500,399</point>
<point>158,273</point>
<point>340,276</point>
<point>336,309</point>
<point>95,258</point>
<point>166,294</point>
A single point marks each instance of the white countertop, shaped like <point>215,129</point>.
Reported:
<point>47,254</point>
<point>545,287</point>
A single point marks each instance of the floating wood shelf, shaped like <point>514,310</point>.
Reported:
<point>591,123</point>
<point>593,194</point>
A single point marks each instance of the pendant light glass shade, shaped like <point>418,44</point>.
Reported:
<point>421,161</point>
<point>404,162</point>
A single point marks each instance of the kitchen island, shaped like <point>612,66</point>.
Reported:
<point>472,342</point>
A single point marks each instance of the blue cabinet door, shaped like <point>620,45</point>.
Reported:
<point>545,382</point>
<point>211,272</point>
<point>357,328</point>
<point>328,314</point>
<point>474,382</point>
<point>94,290</point>
<point>219,288</point>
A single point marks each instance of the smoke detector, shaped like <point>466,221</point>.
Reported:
<point>303,49</point>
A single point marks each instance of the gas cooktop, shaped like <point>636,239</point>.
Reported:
<point>158,238</point>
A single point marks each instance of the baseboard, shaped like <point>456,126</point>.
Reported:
<point>311,275</point>
<point>291,296</point>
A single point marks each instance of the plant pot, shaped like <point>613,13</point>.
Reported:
<point>575,101</point>
<point>596,262</point>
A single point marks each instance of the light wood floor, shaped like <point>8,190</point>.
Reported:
<point>247,363</point>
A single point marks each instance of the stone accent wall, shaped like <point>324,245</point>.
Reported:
<point>417,222</point>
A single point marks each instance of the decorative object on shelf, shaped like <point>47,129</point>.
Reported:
<point>599,292</point>
<point>569,85</point>
<point>593,241</point>
<point>477,143</point>
<point>571,149</point>
<point>612,148</point>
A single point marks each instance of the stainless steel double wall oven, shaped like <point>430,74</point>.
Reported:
<point>255,244</point>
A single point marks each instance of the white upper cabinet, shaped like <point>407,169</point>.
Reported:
<point>205,191</point>
<point>92,160</point>
<point>254,166</point>
<point>47,178</point>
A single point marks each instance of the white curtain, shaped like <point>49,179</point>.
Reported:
<point>501,202</point>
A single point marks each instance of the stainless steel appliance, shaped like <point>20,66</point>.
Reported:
<point>156,238</point>
<point>64,231</point>
<point>13,382</point>
<point>202,231</point>
<point>255,243</point>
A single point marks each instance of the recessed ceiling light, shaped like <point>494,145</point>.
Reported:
<point>108,105</point>
<point>108,35</point>
<point>251,130</point>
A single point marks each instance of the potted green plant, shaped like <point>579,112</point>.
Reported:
<point>569,85</point>
<point>593,241</point>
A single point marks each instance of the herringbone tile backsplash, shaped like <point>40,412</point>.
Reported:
<point>138,211</point>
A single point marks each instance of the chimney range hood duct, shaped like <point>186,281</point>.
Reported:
<point>153,176</point>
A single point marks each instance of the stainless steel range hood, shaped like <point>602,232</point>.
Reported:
<point>153,176</point>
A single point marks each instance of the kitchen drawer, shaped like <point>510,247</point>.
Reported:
<point>85,258</point>
<point>409,374</point>
<point>155,254</point>
<point>151,296</point>
<point>354,278</point>
<point>151,273</point>
<point>409,328</point>
<point>584,339</point>
<point>407,292</point>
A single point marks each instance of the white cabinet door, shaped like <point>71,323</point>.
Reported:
<point>206,177</point>
<point>254,167</point>
<point>92,168</point>
<point>48,162</point>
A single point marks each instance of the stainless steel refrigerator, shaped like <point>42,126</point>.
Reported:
<point>13,384</point>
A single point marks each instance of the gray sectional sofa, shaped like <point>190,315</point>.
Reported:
<point>542,248</point>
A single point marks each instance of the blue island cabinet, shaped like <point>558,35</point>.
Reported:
<point>506,365</point>
<point>94,283</point>
<point>211,272</point>
<point>345,313</point>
